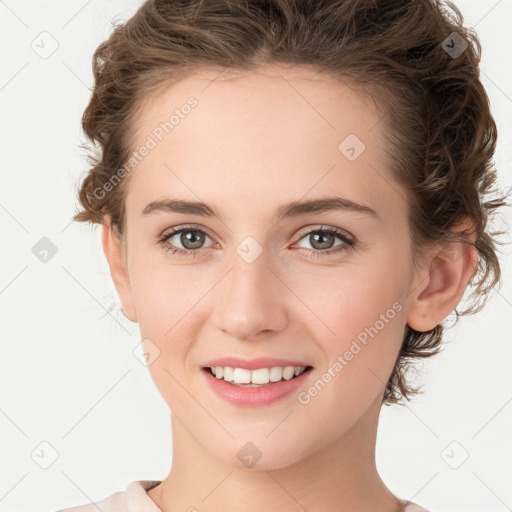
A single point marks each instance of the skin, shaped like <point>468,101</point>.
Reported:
<point>255,141</point>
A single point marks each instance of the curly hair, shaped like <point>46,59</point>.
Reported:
<point>414,59</point>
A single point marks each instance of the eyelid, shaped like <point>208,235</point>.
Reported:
<point>303,231</point>
<point>327,228</point>
<point>182,227</point>
<point>348,239</point>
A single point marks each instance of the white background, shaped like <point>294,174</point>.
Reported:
<point>68,374</point>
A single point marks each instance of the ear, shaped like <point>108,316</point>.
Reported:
<point>441,283</point>
<point>118,270</point>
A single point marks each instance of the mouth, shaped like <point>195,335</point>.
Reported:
<point>258,377</point>
<point>255,382</point>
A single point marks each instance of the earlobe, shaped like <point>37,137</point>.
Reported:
<point>439,287</point>
<point>118,269</point>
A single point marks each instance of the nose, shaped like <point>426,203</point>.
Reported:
<point>250,299</point>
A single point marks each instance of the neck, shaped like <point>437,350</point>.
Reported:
<point>341,476</point>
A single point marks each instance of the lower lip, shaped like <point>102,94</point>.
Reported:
<point>254,396</point>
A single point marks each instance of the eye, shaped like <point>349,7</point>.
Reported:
<point>323,238</point>
<point>191,238</point>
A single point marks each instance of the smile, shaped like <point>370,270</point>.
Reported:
<point>258,387</point>
<point>257,377</point>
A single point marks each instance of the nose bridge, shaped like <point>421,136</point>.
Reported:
<point>249,299</point>
<point>249,270</point>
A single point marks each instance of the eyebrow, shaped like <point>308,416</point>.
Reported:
<point>293,209</point>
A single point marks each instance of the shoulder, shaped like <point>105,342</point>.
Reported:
<point>409,506</point>
<point>114,503</point>
<point>135,497</point>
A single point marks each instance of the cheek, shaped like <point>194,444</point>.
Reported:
<point>167,310</point>
<point>358,299</point>
<point>170,311</point>
<point>161,294</point>
<point>360,316</point>
<point>367,321</point>
<point>353,297</point>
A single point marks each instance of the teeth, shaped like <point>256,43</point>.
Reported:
<point>276,373</point>
<point>241,376</point>
<point>259,377</point>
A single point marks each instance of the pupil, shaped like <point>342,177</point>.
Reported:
<point>323,245</point>
<point>195,237</point>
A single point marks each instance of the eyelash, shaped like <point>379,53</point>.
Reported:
<point>348,241</point>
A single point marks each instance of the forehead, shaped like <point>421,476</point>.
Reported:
<point>279,129</point>
<point>253,99</point>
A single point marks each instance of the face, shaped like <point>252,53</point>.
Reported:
<point>328,287</point>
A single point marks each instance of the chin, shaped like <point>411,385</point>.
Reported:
<point>260,454</point>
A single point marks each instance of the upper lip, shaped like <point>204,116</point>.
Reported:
<point>253,364</point>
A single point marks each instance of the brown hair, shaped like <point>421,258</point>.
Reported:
<point>413,58</point>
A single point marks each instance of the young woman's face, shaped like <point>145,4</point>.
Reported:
<point>250,283</point>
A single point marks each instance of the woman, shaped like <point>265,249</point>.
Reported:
<point>290,195</point>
